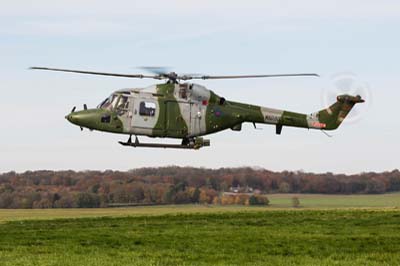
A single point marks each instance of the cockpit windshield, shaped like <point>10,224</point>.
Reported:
<point>115,102</point>
<point>110,102</point>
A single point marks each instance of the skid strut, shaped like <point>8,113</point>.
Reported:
<point>191,143</point>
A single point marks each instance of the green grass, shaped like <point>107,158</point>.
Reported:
<point>277,237</point>
<point>46,214</point>
<point>337,201</point>
<point>277,201</point>
<point>326,230</point>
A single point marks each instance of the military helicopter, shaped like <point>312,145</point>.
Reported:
<point>187,111</point>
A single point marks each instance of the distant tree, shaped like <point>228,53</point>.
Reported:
<point>241,199</point>
<point>182,197</point>
<point>169,196</point>
<point>258,200</point>
<point>227,199</point>
<point>6,188</point>
<point>54,197</point>
<point>27,202</point>
<point>284,187</point>
<point>95,188</point>
<point>66,201</point>
<point>45,189</point>
<point>150,195</point>
<point>295,202</point>
<point>216,200</point>
<point>137,194</point>
<point>262,200</point>
<point>375,186</point>
<point>207,196</point>
<point>87,200</point>
<point>119,195</point>
<point>394,181</point>
<point>6,199</point>
<point>195,198</point>
<point>43,204</point>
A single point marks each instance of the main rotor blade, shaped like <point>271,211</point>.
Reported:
<point>252,76</point>
<point>140,76</point>
<point>159,70</point>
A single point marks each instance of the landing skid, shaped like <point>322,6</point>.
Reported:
<point>192,143</point>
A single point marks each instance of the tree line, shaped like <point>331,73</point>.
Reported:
<point>177,185</point>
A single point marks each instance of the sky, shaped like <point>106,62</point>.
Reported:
<point>353,45</point>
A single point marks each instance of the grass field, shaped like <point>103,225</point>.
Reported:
<point>319,233</point>
<point>277,201</point>
<point>337,201</point>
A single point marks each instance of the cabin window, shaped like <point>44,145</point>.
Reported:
<point>147,108</point>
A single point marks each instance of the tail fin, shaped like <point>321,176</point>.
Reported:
<point>334,115</point>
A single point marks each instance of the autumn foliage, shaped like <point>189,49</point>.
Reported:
<point>176,185</point>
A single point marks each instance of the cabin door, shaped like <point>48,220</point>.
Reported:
<point>145,113</point>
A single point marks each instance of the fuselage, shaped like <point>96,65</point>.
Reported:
<point>164,110</point>
<point>189,110</point>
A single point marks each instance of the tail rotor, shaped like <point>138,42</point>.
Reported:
<point>347,83</point>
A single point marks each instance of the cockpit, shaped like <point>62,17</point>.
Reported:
<point>116,101</point>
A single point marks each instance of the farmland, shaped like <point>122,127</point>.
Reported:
<point>277,201</point>
<point>364,231</point>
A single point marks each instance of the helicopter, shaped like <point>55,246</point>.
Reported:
<point>188,111</point>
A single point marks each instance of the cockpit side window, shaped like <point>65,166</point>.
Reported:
<point>123,103</point>
<point>122,106</point>
<point>147,108</point>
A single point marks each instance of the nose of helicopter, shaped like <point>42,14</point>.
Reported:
<point>69,117</point>
<point>84,118</point>
<point>95,119</point>
<point>74,118</point>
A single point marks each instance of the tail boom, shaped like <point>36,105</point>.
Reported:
<point>327,119</point>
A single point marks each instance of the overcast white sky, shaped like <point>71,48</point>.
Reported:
<point>332,38</point>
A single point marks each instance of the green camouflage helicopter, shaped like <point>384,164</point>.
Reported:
<point>188,111</point>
